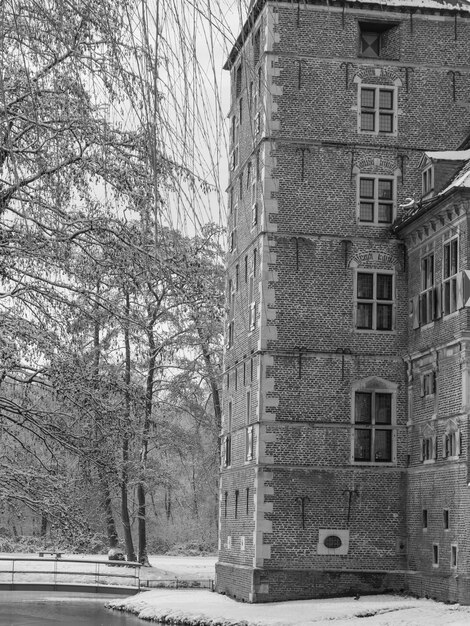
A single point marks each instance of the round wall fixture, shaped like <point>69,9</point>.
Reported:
<point>333,542</point>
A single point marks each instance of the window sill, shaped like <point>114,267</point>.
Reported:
<point>377,133</point>
<point>429,461</point>
<point>374,331</point>
<point>427,326</point>
<point>450,315</point>
<point>376,224</point>
<point>374,463</point>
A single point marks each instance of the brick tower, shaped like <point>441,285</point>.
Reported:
<point>339,109</point>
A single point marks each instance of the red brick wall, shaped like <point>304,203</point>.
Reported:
<point>311,245</point>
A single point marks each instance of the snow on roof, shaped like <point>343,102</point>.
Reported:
<point>449,155</point>
<point>463,5</point>
<point>462,178</point>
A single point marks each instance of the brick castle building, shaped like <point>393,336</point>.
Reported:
<point>347,363</point>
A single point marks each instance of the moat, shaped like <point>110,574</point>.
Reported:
<point>47,608</point>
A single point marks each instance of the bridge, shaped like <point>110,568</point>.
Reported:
<point>57,573</point>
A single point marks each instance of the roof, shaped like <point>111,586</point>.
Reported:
<point>256,7</point>
<point>460,180</point>
<point>449,155</point>
<point>462,5</point>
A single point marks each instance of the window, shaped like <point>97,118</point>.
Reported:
<point>427,179</point>
<point>249,443</point>
<point>435,555</point>
<point>374,301</point>
<point>451,440</point>
<point>237,277</point>
<point>425,519</point>
<point>254,214</point>
<point>232,240</point>
<point>237,493</point>
<point>247,500</point>
<point>252,304</point>
<point>230,334</point>
<point>238,81</point>
<point>427,297</point>
<point>377,110</point>
<point>376,200</point>
<point>446,519</point>
<point>428,384</point>
<point>252,368</point>
<point>255,261</point>
<point>373,430</point>
<point>256,46</point>
<point>428,442</point>
<point>234,141</point>
<point>248,406</point>
<point>246,269</point>
<point>236,377</point>
<point>378,39</point>
<point>453,555</point>
<point>225,503</point>
<point>451,263</point>
<point>227,440</point>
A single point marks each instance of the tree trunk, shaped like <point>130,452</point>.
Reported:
<point>141,492</point>
<point>131,556</point>
<point>111,531</point>
<point>168,503</point>
<point>213,378</point>
<point>44,521</point>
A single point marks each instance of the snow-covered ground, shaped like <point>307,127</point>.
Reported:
<point>204,607</point>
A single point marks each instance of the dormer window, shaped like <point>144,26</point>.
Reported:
<point>427,179</point>
<point>378,40</point>
<point>370,44</point>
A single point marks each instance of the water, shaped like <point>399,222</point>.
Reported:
<point>38,608</point>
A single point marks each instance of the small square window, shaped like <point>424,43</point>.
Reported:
<point>370,44</point>
<point>379,40</point>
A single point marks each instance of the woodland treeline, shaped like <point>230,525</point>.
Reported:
<point>110,316</point>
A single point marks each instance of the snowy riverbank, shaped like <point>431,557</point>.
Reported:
<point>203,608</point>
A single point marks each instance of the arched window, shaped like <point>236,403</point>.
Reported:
<point>428,443</point>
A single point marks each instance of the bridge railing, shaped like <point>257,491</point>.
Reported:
<point>17,571</point>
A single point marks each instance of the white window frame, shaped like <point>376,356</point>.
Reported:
<point>251,302</point>
<point>234,140</point>
<point>378,111</point>
<point>374,301</point>
<point>428,445</point>
<point>249,443</point>
<point>374,386</point>
<point>427,298</point>
<point>428,383</point>
<point>450,284</point>
<point>427,181</point>
<point>375,200</point>
<point>451,441</point>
